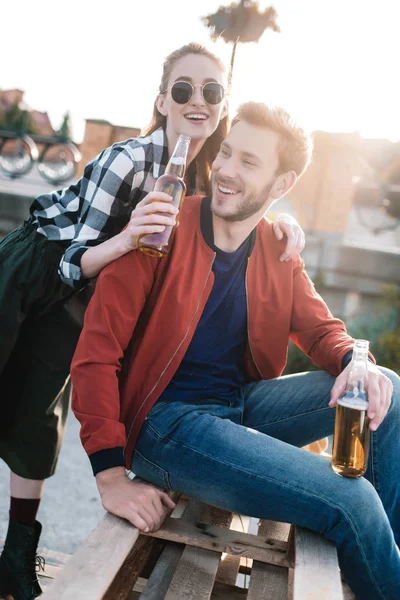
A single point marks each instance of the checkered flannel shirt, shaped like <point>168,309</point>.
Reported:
<point>99,205</point>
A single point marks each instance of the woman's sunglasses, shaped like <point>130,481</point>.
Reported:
<point>182,91</point>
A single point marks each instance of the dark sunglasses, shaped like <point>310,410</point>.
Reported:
<point>182,91</point>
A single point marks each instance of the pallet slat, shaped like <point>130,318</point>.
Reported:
<point>194,576</point>
<point>219,539</point>
<point>163,573</point>
<point>91,570</point>
<point>316,572</point>
<point>129,572</point>
<point>197,569</point>
<point>269,582</point>
<point>229,565</point>
<point>160,579</point>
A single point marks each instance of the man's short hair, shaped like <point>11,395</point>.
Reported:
<point>295,145</point>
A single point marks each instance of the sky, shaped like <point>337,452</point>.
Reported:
<point>334,65</point>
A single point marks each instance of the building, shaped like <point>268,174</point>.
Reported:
<point>40,120</point>
<point>100,134</point>
<point>353,245</point>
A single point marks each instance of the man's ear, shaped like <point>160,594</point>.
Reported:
<point>225,109</point>
<point>283,184</point>
<point>160,103</point>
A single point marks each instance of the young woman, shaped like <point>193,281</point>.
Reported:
<point>70,236</point>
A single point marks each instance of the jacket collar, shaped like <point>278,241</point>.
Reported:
<point>160,152</point>
<point>207,227</point>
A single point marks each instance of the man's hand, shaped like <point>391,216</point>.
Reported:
<point>287,225</point>
<point>139,502</point>
<point>151,215</point>
<point>379,389</point>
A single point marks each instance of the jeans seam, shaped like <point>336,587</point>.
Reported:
<point>292,489</point>
<point>157,469</point>
<point>292,417</point>
<point>373,463</point>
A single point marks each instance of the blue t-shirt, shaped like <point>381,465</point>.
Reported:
<point>213,366</point>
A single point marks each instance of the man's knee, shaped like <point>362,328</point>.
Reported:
<point>357,508</point>
<point>395,379</point>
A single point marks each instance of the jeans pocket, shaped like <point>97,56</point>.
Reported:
<point>149,471</point>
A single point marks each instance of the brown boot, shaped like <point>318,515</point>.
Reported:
<point>19,563</point>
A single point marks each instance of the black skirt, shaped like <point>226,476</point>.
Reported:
<point>37,342</point>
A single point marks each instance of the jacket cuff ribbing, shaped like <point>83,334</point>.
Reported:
<point>107,459</point>
<point>349,355</point>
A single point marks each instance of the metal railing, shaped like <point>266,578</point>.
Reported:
<point>57,160</point>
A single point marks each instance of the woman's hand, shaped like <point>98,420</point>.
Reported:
<point>287,225</point>
<point>151,215</point>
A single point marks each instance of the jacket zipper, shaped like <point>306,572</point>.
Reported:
<point>172,357</point>
<point>248,322</point>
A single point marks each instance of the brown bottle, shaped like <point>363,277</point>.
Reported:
<point>351,437</point>
<point>171,183</point>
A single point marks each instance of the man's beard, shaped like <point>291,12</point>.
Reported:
<point>249,205</point>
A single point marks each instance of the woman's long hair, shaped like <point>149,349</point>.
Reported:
<point>202,163</point>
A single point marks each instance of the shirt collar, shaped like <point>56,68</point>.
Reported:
<point>206,226</point>
<point>160,151</point>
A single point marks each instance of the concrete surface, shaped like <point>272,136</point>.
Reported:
<point>71,507</point>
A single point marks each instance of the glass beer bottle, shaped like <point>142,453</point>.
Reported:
<point>171,183</point>
<point>351,436</point>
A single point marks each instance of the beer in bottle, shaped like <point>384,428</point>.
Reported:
<point>171,183</point>
<point>351,436</point>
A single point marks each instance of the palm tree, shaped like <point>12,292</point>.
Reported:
<point>243,22</point>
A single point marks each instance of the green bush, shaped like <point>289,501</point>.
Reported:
<point>382,330</point>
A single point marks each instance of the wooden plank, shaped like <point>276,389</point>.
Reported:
<point>130,570</point>
<point>154,557</point>
<point>316,572</point>
<point>139,585</point>
<point>91,570</point>
<point>161,577</point>
<point>229,565</point>
<point>223,591</point>
<point>269,582</point>
<point>228,569</point>
<point>195,574</point>
<point>218,539</point>
<point>291,559</point>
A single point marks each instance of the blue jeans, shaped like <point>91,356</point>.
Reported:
<point>245,457</point>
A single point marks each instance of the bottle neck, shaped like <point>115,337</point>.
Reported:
<point>177,163</point>
<point>359,366</point>
<point>360,351</point>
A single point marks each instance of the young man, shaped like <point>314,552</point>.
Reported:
<point>177,372</point>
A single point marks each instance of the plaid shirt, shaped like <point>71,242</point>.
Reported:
<point>99,205</point>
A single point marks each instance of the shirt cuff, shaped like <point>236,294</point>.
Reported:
<point>107,459</point>
<point>70,270</point>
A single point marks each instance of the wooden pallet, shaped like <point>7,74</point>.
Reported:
<point>200,553</point>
